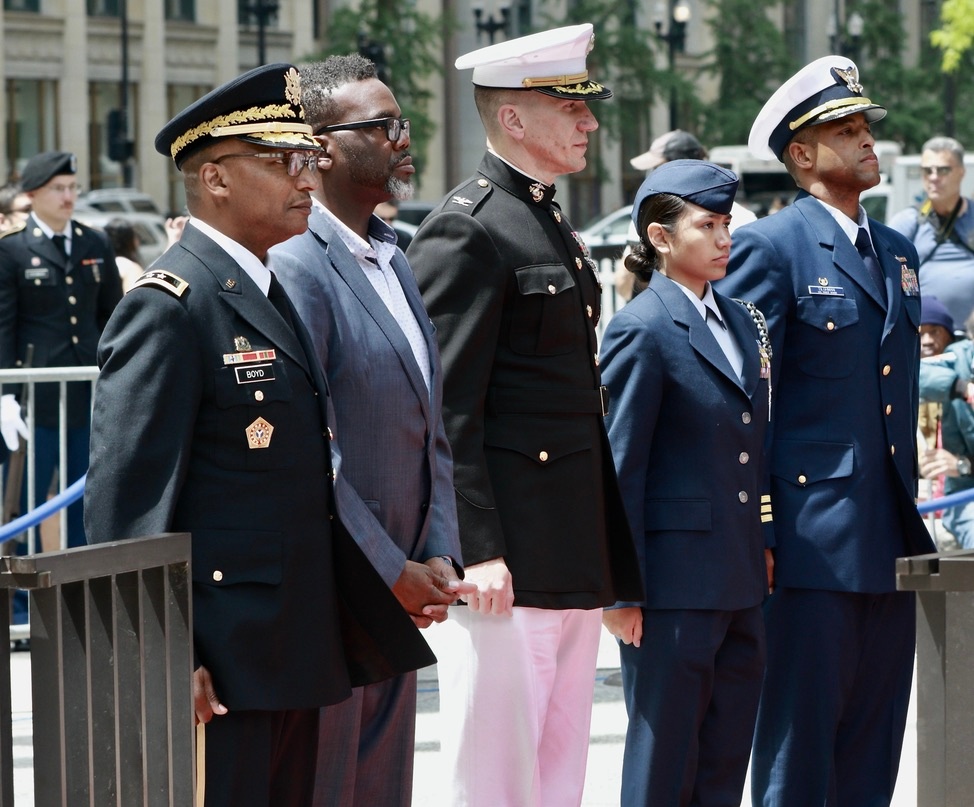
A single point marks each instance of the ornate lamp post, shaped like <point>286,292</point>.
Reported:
<point>675,38</point>
<point>490,25</point>
<point>844,40</point>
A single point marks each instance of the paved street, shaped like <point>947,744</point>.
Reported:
<point>605,752</point>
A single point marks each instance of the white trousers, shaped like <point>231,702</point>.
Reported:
<point>516,705</point>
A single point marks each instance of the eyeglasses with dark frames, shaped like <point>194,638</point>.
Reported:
<point>395,127</point>
<point>293,160</point>
<point>939,170</point>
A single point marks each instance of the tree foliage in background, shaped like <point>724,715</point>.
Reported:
<point>411,48</point>
<point>911,94</point>
<point>956,37</point>
<point>750,60</point>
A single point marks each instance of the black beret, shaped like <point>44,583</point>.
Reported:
<point>43,167</point>
<point>702,183</point>
<point>261,106</point>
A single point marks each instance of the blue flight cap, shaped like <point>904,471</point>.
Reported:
<point>262,106</point>
<point>705,184</point>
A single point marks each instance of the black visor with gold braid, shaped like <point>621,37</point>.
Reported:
<point>262,106</point>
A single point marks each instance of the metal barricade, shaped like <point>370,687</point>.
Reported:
<point>111,674</point>
<point>945,674</point>
<point>31,377</point>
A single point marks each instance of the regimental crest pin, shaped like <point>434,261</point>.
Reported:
<point>823,281</point>
<point>259,434</point>
<point>241,343</point>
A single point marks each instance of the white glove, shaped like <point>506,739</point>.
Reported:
<point>11,423</point>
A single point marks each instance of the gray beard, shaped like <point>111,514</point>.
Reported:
<point>400,189</point>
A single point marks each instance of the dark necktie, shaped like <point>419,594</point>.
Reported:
<point>59,242</point>
<point>868,255</point>
<point>278,298</point>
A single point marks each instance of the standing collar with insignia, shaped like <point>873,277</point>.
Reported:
<point>520,184</point>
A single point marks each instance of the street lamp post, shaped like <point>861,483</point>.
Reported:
<point>491,25</point>
<point>845,42</point>
<point>262,10</point>
<point>675,39</point>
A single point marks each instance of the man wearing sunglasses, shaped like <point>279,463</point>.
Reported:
<point>352,285</point>
<point>212,417</point>
<point>942,228</point>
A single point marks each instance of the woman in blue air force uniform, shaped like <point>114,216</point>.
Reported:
<point>688,372</point>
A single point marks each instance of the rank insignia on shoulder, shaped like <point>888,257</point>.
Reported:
<point>462,201</point>
<point>162,279</point>
<point>259,434</point>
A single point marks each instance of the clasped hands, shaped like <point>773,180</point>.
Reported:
<point>425,590</point>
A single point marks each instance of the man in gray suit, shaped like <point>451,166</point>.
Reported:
<point>354,289</point>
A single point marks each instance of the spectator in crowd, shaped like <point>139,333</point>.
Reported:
<point>14,207</point>
<point>377,348</point>
<point>212,417</point>
<point>942,228</point>
<point>674,145</point>
<point>58,287</point>
<point>947,388</point>
<point>543,531</point>
<point>682,359</point>
<point>842,302</point>
<point>125,242</point>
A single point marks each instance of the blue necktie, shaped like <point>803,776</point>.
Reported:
<point>865,248</point>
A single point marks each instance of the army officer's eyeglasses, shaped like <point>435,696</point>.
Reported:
<point>294,160</point>
<point>938,170</point>
<point>395,127</point>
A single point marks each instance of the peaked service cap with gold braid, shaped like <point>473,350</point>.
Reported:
<point>262,106</point>
<point>825,90</point>
<point>551,62</point>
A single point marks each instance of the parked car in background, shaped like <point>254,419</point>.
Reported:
<point>606,237</point>
<point>413,212</point>
<point>150,228</point>
<point>119,200</point>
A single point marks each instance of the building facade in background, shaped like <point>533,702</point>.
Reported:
<point>63,63</point>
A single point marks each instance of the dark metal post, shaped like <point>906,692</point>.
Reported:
<point>945,673</point>
<point>123,90</point>
<point>675,39</point>
<point>491,25</point>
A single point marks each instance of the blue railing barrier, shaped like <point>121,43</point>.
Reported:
<point>69,495</point>
<point>946,502</point>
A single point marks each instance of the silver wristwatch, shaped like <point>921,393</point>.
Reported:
<point>964,466</point>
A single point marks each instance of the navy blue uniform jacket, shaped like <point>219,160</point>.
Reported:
<point>844,413</point>
<point>687,438</point>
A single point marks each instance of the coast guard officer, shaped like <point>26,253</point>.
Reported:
<point>211,418</point>
<point>842,302</point>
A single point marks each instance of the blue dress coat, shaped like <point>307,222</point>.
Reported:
<point>687,437</point>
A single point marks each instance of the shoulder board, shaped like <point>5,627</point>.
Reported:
<point>468,197</point>
<point>15,229</point>
<point>760,322</point>
<point>162,279</point>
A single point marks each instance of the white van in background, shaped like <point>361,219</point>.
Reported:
<point>766,183</point>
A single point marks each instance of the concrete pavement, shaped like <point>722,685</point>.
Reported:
<point>605,751</point>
